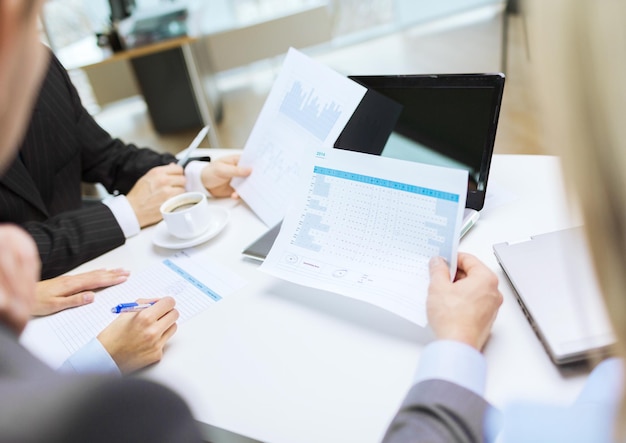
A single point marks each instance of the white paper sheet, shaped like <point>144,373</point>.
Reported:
<point>366,226</point>
<point>194,281</point>
<point>306,110</point>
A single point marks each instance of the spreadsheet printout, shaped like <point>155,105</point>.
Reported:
<point>366,227</point>
<point>306,109</point>
<point>196,283</point>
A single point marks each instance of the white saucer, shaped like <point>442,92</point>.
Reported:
<point>164,239</point>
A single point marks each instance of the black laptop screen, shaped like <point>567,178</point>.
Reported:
<point>446,120</point>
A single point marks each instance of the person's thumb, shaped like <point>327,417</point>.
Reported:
<point>439,271</point>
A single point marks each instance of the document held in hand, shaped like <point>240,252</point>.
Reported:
<point>366,227</point>
<point>306,109</point>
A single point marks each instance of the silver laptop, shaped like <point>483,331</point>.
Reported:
<point>553,279</point>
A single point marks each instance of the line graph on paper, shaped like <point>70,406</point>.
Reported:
<point>274,163</point>
<point>280,168</point>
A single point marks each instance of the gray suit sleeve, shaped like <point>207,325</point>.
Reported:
<point>16,362</point>
<point>438,411</point>
<point>92,409</point>
<point>38,405</point>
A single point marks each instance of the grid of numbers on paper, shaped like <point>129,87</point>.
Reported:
<point>375,222</point>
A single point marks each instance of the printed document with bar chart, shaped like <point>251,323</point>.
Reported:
<point>366,226</point>
<point>306,110</point>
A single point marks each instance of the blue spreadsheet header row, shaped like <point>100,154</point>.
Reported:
<point>386,183</point>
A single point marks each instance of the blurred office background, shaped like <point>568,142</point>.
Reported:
<point>244,42</point>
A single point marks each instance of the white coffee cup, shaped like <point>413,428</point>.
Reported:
<point>187,215</point>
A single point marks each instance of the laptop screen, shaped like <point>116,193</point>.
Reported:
<point>446,120</point>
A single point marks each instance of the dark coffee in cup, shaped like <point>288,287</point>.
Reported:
<point>182,204</point>
<point>182,207</point>
<point>186,215</point>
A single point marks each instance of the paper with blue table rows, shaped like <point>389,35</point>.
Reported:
<point>193,280</point>
<point>307,108</point>
<point>366,227</point>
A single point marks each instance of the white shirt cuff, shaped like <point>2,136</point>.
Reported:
<point>455,362</point>
<point>124,214</point>
<point>91,359</point>
<point>193,174</point>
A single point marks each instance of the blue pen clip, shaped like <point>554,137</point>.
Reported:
<point>130,307</point>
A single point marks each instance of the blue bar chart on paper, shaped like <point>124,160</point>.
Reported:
<point>305,111</point>
<point>305,108</point>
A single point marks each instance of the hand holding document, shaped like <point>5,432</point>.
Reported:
<point>356,224</point>
<point>306,110</point>
<point>366,226</point>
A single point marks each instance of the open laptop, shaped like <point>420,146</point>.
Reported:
<point>552,276</point>
<point>446,120</point>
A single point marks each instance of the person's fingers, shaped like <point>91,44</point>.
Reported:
<point>176,184</point>
<point>230,159</point>
<point>171,168</point>
<point>439,271</point>
<point>19,271</point>
<point>168,319</point>
<point>228,171</point>
<point>163,175</point>
<point>168,175</point>
<point>14,312</point>
<point>243,171</point>
<point>169,332</point>
<point>469,263</point>
<point>20,262</point>
<point>100,278</point>
<point>229,166</point>
<point>143,301</point>
<point>160,308</point>
<point>69,291</point>
<point>72,301</point>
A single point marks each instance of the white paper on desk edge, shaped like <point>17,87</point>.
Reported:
<point>306,110</point>
<point>391,279</point>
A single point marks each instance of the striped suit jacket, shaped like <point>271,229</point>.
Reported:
<point>41,190</point>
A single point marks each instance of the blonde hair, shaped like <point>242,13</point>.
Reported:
<point>579,52</point>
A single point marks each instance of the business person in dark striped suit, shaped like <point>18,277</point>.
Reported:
<point>64,146</point>
<point>36,403</point>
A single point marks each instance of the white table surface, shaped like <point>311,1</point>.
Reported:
<point>282,363</point>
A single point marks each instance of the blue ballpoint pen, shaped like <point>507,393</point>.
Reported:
<point>131,307</point>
